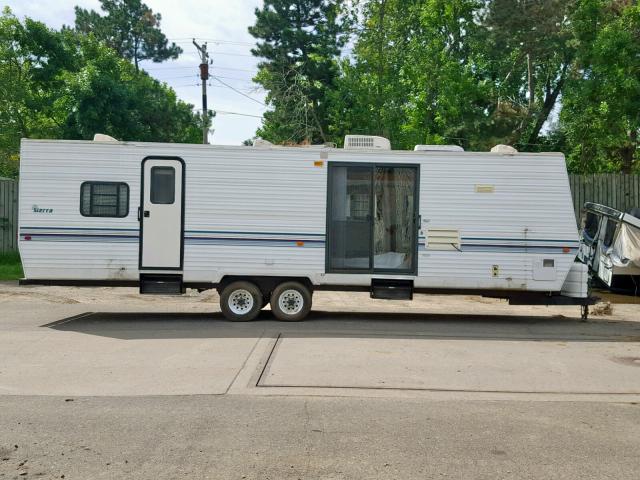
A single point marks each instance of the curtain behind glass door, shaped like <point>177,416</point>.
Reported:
<point>394,222</point>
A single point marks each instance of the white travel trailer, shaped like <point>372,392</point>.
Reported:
<point>273,224</point>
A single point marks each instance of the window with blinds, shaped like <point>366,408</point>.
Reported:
<point>104,199</point>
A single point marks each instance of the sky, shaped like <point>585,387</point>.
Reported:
<point>222,24</point>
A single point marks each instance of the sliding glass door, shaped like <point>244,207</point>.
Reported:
<point>372,218</point>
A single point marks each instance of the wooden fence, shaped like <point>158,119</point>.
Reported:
<point>616,190</point>
<point>8,215</point>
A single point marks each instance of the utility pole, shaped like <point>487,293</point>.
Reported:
<point>204,76</point>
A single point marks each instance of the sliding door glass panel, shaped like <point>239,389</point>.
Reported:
<point>394,223</point>
<point>350,218</point>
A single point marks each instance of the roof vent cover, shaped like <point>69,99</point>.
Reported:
<point>366,142</point>
<point>504,149</point>
<point>438,148</point>
<point>101,137</point>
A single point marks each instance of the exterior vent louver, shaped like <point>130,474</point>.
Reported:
<point>366,142</point>
<point>443,239</point>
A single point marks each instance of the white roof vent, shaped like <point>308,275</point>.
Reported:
<point>438,148</point>
<point>504,149</point>
<point>366,142</point>
<point>261,142</point>
<point>101,137</point>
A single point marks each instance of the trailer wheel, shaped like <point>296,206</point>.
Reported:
<point>291,301</point>
<point>241,301</point>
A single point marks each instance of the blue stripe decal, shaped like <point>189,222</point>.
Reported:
<point>77,235</point>
<point>82,228</point>
<point>484,239</point>
<point>256,233</point>
<point>524,240</point>
<point>225,232</point>
<point>221,237</point>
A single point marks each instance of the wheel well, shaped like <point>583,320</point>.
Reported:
<point>266,284</point>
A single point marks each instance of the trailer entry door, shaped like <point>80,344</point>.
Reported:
<point>372,219</point>
<point>162,214</point>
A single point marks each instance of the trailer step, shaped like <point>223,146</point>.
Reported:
<point>159,284</point>
<point>389,289</point>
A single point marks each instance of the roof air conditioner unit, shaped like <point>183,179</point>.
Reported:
<point>366,142</point>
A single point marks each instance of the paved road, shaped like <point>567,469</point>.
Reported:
<point>247,437</point>
<point>100,385</point>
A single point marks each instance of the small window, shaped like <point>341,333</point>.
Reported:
<point>609,233</point>
<point>104,199</point>
<point>591,224</point>
<point>163,185</point>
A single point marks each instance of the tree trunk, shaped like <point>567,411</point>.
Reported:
<point>628,152</point>
<point>136,45</point>
<point>530,83</point>
<point>543,115</point>
<point>549,103</point>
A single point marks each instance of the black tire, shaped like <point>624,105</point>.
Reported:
<point>297,296</point>
<point>241,301</point>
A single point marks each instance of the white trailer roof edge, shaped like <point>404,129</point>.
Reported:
<point>314,148</point>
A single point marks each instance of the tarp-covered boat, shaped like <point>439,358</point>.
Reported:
<point>610,243</point>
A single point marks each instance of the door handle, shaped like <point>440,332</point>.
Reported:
<point>139,214</point>
<point>147,214</point>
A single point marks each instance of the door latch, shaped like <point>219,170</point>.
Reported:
<point>146,213</point>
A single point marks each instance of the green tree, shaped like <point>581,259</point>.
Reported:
<point>372,91</point>
<point>413,77</point>
<point>129,27</point>
<point>107,94</point>
<point>601,114</point>
<point>61,84</point>
<point>31,55</point>
<point>299,41</point>
<point>529,54</point>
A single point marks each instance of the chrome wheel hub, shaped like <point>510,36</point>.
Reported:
<point>291,302</point>
<point>240,302</point>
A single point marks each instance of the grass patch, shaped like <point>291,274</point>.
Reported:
<point>10,266</point>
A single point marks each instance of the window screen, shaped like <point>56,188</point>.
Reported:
<point>104,199</point>
<point>163,185</point>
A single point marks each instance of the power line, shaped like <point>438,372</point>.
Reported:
<point>160,69</point>
<point>235,78</point>
<point>235,69</point>
<point>235,54</point>
<point>222,112</point>
<point>213,40</point>
<point>238,91</point>
<point>176,78</point>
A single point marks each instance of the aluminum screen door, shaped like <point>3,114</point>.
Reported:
<point>372,218</point>
<point>162,211</point>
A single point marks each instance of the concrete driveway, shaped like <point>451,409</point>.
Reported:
<point>457,386</point>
